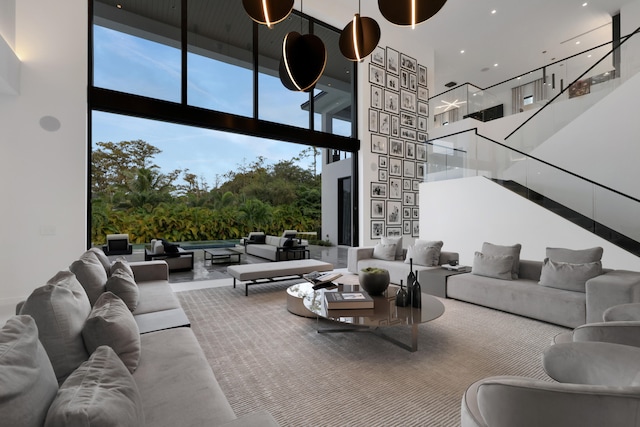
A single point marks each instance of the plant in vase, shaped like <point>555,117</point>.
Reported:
<point>374,280</point>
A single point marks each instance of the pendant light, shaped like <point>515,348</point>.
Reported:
<point>409,12</point>
<point>268,12</point>
<point>304,58</point>
<point>359,37</point>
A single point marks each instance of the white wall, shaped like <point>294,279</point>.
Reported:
<point>466,212</point>
<point>43,173</point>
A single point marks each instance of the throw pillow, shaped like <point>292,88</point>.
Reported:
<point>396,241</point>
<point>579,256</point>
<point>91,275</point>
<point>260,238</point>
<point>99,393</point>
<point>435,244</point>
<point>102,257</point>
<point>427,256</point>
<point>170,248</point>
<point>124,286</point>
<point>29,383</point>
<point>568,276</point>
<point>158,247</point>
<point>111,323</point>
<point>60,309</point>
<point>123,264</point>
<point>386,252</point>
<point>496,266</point>
<point>499,250</point>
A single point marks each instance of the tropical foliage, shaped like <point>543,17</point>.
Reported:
<point>130,194</point>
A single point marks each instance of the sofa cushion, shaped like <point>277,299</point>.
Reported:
<point>258,238</point>
<point>101,392</point>
<point>579,256</point>
<point>60,309</point>
<point>123,264</point>
<point>91,275</point>
<point>396,241</point>
<point>385,251</point>
<point>102,257</point>
<point>496,266</point>
<point>29,383</point>
<point>111,323</point>
<point>513,250</point>
<point>124,286</point>
<point>568,276</point>
<point>427,256</point>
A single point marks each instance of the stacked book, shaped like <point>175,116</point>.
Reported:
<point>459,268</point>
<point>319,280</point>
<point>348,300</point>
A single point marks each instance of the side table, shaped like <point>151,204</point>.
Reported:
<point>434,281</point>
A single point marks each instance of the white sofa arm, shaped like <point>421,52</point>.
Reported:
<point>150,270</point>
<point>355,254</point>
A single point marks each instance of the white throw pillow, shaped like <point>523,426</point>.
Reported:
<point>395,241</point>
<point>386,252</point>
<point>427,256</point>
<point>568,276</point>
<point>495,266</point>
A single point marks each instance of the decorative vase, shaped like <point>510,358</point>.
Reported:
<point>402,297</point>
<point>374,280</point>
<point>411,278</point>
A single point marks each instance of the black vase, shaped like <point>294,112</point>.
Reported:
<point>402,297</point>
<point>416,295</point>
<point>411,278</point>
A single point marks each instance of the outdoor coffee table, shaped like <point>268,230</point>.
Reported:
<point>384,314</point>
<point>211,254</point>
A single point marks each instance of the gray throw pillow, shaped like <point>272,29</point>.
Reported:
<point>60,309</point>
<point>394,241</point>
<point>579,256</point>
<point>102,257</point>
<point>496,266</point>
<point>123,264</point>
<point>386,252</point>
<point>122,284</point>
<point>111,323</point>
<point>427,256</point>
<point>436,245</point>
<point>568,276</point>
<point>28,383</point>
<point>100,393</point>
<point>513,251</point>
<point>91,275</point>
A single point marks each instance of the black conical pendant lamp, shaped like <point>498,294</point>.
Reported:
<point>268,12</point>
<point>359,37</point>
<point>304,58</point>
<point>409,12</point>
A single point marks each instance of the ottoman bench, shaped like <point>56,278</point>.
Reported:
<point>255,274</point>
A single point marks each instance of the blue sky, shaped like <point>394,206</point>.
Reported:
<point>142,67</point>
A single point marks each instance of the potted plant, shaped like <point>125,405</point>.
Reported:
<point>374,280</point>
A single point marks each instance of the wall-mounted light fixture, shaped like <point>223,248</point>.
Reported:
<point>359,37</point>
<point>268,12</point>
<point>304,58</point>
<point>409,12</point>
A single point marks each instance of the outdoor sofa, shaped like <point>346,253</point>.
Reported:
<point>176,257</point>
<point>276,248</point>
<point>74,355</point>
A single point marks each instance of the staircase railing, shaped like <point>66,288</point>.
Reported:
<point>605,211</point>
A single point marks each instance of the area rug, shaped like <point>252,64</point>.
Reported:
<point>265,357</point>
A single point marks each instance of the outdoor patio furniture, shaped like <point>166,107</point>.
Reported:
<point>180,260</point>
<point>117,244</point>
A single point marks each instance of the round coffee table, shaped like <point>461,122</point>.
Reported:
<point>295,295</point>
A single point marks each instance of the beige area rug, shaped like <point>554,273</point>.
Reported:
<point>265,357</point>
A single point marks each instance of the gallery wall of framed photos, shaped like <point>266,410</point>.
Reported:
<point>397,122</point>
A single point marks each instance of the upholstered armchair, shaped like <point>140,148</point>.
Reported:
<point>118,244</point>
<point>598,384</point>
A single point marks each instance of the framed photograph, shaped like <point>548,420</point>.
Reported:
<point>416,185</point>
<point>408,101</point>
<point>408,120</point>
<point>379,144</point>
<point>423,93</point>
<point>391,102</point>
<point>373,120</point>
<point>395,126</point>
<point>382,162</point>
<point>377,209</point>
<point>408,63</point>
<point>406,213</point>
<point>383,175</point>
<point>394,232</point>
<point>392,82</point>
<point>423,137</point>
<point>423,108</point>
<point>379,190</point>
<point>410,150</point>
<point>394,212</point>
<point>377,229</point>
<point>395,167</point>
<point>384,124</point>
<point>376,75</point>
<point>415,213</point>
<point>420,170</point>
<point>412,82</point>
<point>378,56</point>
<point>421,152</point>
<point>395,192</point>
<point>406,227</point>
<point>409,168</point>
<point>410,199</point>
<point>422,122</point>
<point>408,134</point>
<point>392,61</point>
<point>415,229</point>
<point>396,148</point>
<point>422,75</point>
<point>376,97</point>
<point>404,79</point>
<point>406,184</point>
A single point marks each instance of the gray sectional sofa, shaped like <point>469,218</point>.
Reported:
<point>276,248</point>
<point>75,354</point>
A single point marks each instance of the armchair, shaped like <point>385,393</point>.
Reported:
<point>599,384</point>
<point>117,244</point>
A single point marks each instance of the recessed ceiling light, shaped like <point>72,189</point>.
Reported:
<point>462,51</point>
<point>588,56</point>
<point>495,65</point>
<point>578,42</point>
<point>493,12</point>
<point>119,6</point>
<point>584,4</point>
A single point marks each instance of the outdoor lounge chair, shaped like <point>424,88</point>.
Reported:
<point>117,244</point>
